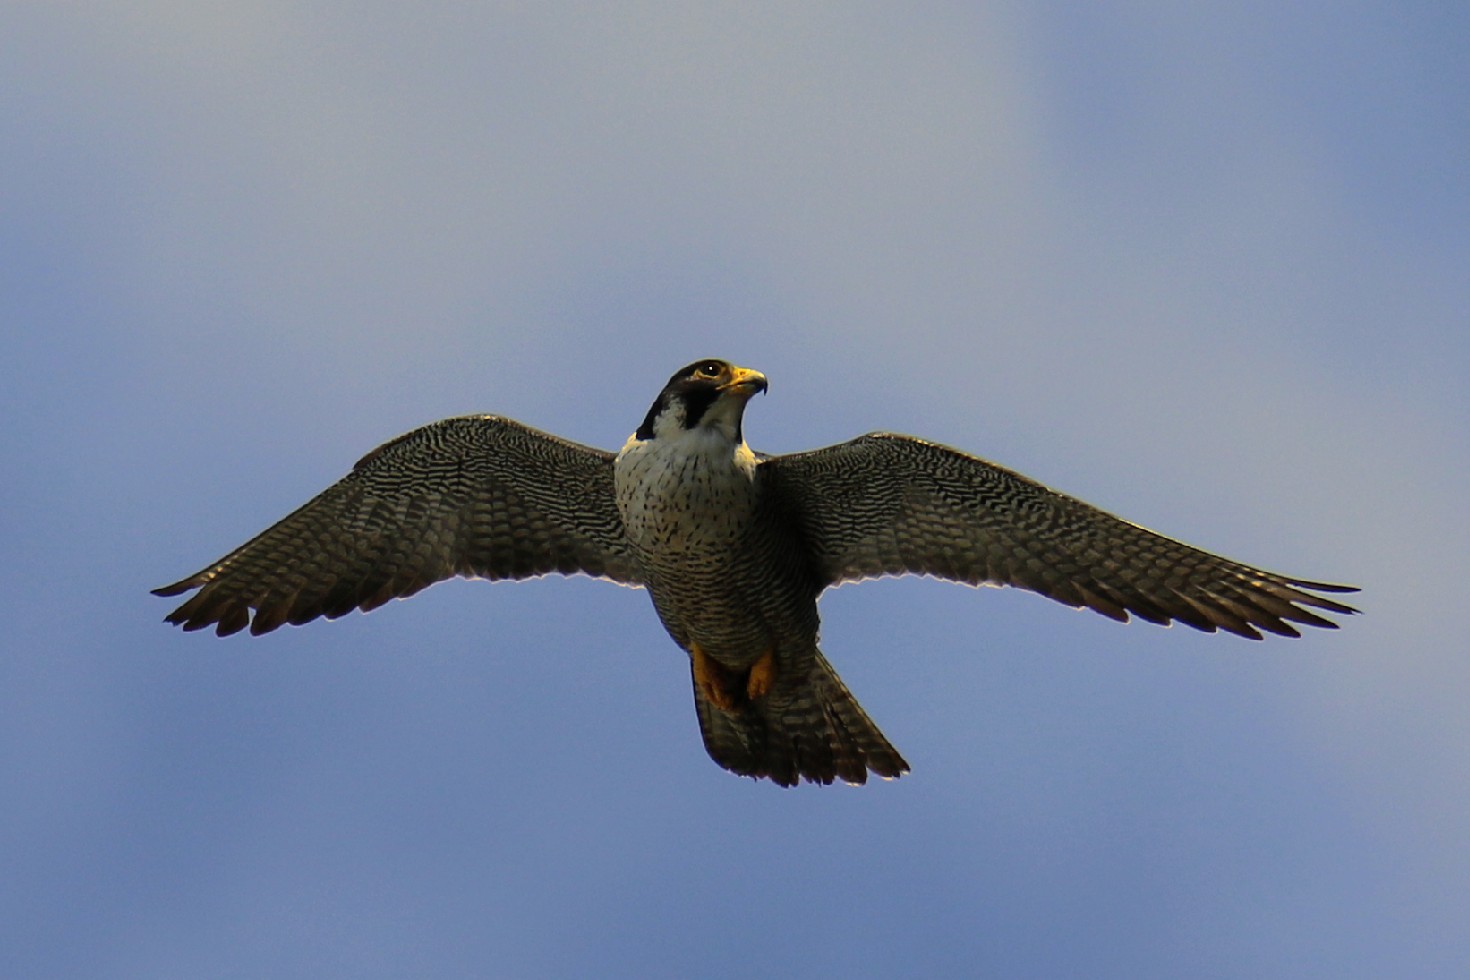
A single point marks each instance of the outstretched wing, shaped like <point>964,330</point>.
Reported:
<point>478,496</point>
<point>887,504</point>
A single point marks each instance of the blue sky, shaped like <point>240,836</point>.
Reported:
<point>1204,268</point>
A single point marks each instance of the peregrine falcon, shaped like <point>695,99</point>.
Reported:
<point>734,548</point>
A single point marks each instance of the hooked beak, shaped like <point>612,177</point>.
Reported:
<point>745,381</point>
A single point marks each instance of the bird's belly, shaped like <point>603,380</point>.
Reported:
<point>711,567</point>
<point>722,621</point>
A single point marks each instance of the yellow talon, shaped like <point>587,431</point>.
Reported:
<point>762,675</point>
<point>712,679</point>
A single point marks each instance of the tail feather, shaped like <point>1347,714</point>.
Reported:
<point>814,730</point>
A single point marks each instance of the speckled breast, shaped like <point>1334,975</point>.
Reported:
<point>689,514</point>
<point>684,501</point>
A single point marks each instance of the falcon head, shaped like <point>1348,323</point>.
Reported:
<point>708,394</point>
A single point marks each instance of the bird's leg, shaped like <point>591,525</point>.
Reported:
<point>762,675</point>
<point>713,680</point>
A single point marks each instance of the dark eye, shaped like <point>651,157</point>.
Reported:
<point>709,369</point>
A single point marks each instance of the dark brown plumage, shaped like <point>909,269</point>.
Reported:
<point>886,504</point>
<point>734,549</point>
<point>478,496</point>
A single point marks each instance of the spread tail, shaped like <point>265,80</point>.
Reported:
<point>813,730</point>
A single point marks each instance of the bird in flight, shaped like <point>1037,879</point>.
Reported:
<point>734,548</point>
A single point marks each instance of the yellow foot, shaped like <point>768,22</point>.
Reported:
<point>762,675</point>
<point>713,680</point>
